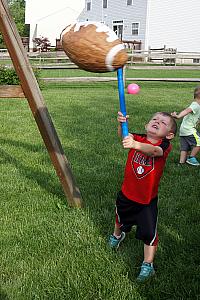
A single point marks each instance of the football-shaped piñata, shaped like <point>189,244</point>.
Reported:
<point>93,47</point>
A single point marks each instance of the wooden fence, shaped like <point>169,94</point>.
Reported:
<point>163,56</point>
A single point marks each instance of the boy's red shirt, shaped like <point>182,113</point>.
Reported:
<point>143,173</point>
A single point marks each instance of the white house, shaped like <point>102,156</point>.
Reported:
<point>174,23</point>
<point>48,18</point>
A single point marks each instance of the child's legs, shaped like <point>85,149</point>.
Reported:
<point>147,230</point>
<point>125,214</point>
<point>195,150</point>
<point>149,253</point>
<point>185,147</point>
<point>188,143</point>
<point>196,144</point>
<point>183,157</point>
<point>117,230</point>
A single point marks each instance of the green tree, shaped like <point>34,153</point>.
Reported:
<point>17,10</point>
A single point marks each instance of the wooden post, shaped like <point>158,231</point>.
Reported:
<point>149,54</point>
<point>36,102</point>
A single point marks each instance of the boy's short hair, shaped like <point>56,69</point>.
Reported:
<point>197,92</point>
<point>173,124</point>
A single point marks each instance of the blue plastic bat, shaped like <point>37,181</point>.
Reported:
<point>122,100</point>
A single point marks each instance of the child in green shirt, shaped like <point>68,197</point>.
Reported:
<point>189,136</point>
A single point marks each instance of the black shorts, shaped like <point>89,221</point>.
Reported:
<point>144,216</point>
<point>190,141</point>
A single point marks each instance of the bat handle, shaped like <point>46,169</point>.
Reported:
<point>125,129</point>
<point>122,100</point>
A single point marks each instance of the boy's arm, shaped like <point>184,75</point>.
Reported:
<point>182,114</point>
<point>150,150</point>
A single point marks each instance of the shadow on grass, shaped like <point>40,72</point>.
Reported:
<point>3,295</point>
<point>42,178</point>
<point>19,144</point>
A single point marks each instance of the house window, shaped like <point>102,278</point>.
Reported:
<point>105,3</point>
<point>129,2</point>
<point>135,28</point>
<point>196,60</point>
<point>88,5</point>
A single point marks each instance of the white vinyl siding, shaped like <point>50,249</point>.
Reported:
<point>175,24</point>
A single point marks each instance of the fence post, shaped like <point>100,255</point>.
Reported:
<point>149,54</point>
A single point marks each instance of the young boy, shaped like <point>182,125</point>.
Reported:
<point>189,136</point>
<point>136,203</point>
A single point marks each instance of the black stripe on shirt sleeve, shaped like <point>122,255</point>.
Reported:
<point>164,144</point>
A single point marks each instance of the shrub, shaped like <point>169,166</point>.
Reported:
<point>10,77</point>
<point>42,43</point>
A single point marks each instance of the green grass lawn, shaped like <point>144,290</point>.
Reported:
<point>136,73</point>
<point>51,251</point>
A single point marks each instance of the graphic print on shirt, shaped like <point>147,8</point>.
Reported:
<point>142,164</point>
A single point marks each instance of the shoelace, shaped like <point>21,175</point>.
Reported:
<point>145,270</point>
<point>113,239</point>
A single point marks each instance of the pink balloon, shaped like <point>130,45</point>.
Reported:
<point>133,88</point>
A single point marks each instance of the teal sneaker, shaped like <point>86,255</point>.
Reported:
<point>192,161</point>
<point>146,272</point>
<point>114,242</point>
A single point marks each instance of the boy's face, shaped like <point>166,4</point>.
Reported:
<point>160,126</point>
